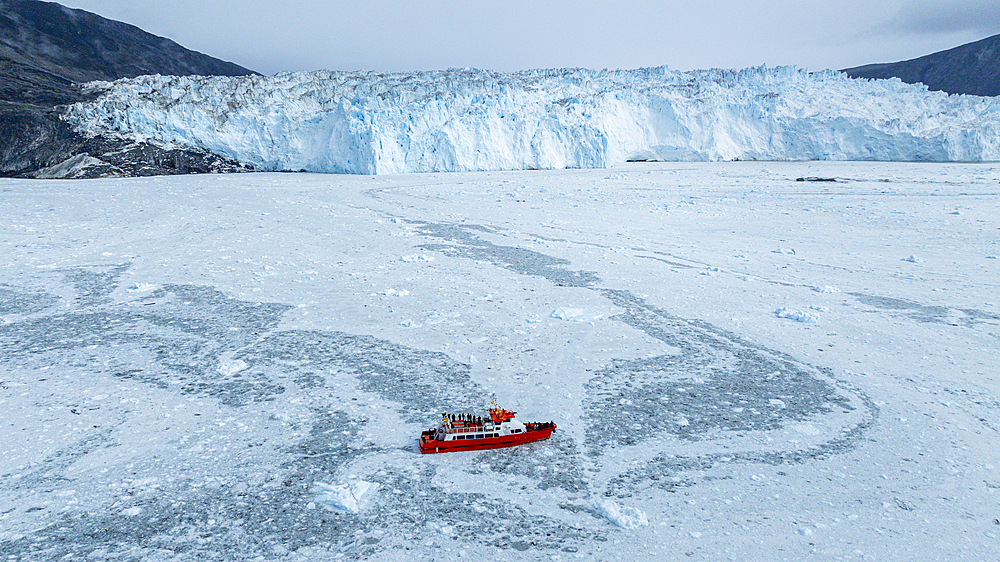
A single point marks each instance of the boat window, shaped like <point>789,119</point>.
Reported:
<point>479,436</point>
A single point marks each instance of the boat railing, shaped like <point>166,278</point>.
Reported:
<point>478,429</point>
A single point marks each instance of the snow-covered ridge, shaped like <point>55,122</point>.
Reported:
<point>463,120</point>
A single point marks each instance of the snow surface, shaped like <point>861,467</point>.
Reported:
<point>237,367</point>
<point>462,120</point>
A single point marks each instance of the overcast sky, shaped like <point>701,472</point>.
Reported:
<point>393,35</point>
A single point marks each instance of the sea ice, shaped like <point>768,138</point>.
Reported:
<point>208,410</point>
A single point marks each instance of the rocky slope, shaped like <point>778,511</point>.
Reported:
<point>973,68</point>
<point>47,49</point>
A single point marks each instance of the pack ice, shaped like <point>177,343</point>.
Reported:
<point>469,120</point>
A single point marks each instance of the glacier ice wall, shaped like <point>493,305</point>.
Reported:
<point>462,120</point>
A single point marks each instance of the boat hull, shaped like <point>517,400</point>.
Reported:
<point>428,444</point>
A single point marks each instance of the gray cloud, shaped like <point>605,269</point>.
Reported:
<point>506,35</point>
<point>981,17</point>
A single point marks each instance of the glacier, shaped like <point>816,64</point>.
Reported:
<point>478,120</point>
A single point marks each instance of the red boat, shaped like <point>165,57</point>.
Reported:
<point>471,433</point>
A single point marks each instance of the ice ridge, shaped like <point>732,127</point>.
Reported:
<point>468,119</point>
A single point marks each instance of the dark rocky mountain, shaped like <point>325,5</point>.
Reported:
<point>46,50</point>
<point>973,68</point>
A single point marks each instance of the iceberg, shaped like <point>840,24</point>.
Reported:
<point>475,120</point>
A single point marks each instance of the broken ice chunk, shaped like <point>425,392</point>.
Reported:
<point>416,258</point>
<point>230,368</point>
<point>624,517</point>
<point>141,288</point>
<point>575,314</point>
<point>349,498</point>
<point>797,315</point>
